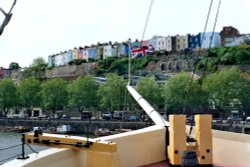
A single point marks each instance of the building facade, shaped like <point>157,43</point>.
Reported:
<point>181,42</point>
<point>229,35</point>
<point>194,41</point>
<point>210,39</point>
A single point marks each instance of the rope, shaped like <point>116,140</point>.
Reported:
<point>147,19</point>
<point>186,97</point>
<point>9,158</point>
<point>210,44</point>
<point>10,147</point>
<point>206,60</point>
<point>205,27</point>
<point>32,149</point>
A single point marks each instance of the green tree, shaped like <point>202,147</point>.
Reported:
<point>225,87</point>
<point>82,93</point>
<point>244,96</point>
<point>112,92</point>
<point>36,69</point>
<point>7,95</point>
<point>39,62</point>
<point>14,66</point>
<point>180,95</point>
<point>29,94</point>
<point>150,91</point>
<point>54,94</point>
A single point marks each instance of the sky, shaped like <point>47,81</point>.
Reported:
<point>46,27</point>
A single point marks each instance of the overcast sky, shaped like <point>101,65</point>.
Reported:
<point>45,27</point>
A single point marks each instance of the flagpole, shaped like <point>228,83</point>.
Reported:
<point>129,62</point>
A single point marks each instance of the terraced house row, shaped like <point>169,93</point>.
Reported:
<point>229,36</point>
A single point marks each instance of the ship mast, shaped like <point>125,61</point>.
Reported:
<point>7,17</point>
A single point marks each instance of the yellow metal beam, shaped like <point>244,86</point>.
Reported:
<point>177,139</point>
<point>73,142</point>
<point>203,135</point>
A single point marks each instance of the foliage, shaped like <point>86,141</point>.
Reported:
<point>7,95</point>
<point>54,95</point>
<point>181,94</point>
<point>50,68</point>
<point>14,66</point>
<point>106,63</point>
<point>235,55</point>
<point>226,86</point>
<point>39,62</point>
<point>29,93</point>
<point>120,65</point>
<point>112,93</point>
<point>71,62</point>
<point>150,90</point>
<point>82,93</point>
<point>76,62</point>
<point>36,69</point>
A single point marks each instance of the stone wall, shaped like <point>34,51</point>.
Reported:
<point>71,70</point>
<point>78,126</point>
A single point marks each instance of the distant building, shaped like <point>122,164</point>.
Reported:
<point>85,53</point>
<point>194,41</point>
<point>181,42</point>
<point>50,61</point>
<point>170,43</point>
<point>75,53</point>
<point>210,38</point>
<point>107,50</point>
<point>68,56</point>
<point>145,43</point>
<point>161,43</point>
<point>246,38</point>
<point>1,72</point>
<point>153,41</point>
<point>136,43</point>
<point>123,49</point>
<point>229,36</point>
<point>99,51</point>
<point>92,53</point>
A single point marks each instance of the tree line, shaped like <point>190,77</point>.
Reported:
<point>223,90</point>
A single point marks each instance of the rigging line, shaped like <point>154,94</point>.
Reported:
<point>9,158</point>
<point>198,55</point>
<point>10,147</point>
<point>14,3</point>
<point>212,36</point>
<point>210,44</point>
<point>147,19</point>
<point>205,27</point>
<point>215,23</point>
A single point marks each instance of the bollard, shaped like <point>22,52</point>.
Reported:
<point>23,156</point>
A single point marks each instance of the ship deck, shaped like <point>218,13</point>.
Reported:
<point>166,164</point>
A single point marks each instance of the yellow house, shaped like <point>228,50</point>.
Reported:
<point>181,42</point>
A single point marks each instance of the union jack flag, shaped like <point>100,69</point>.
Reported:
<point>138,52</point>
